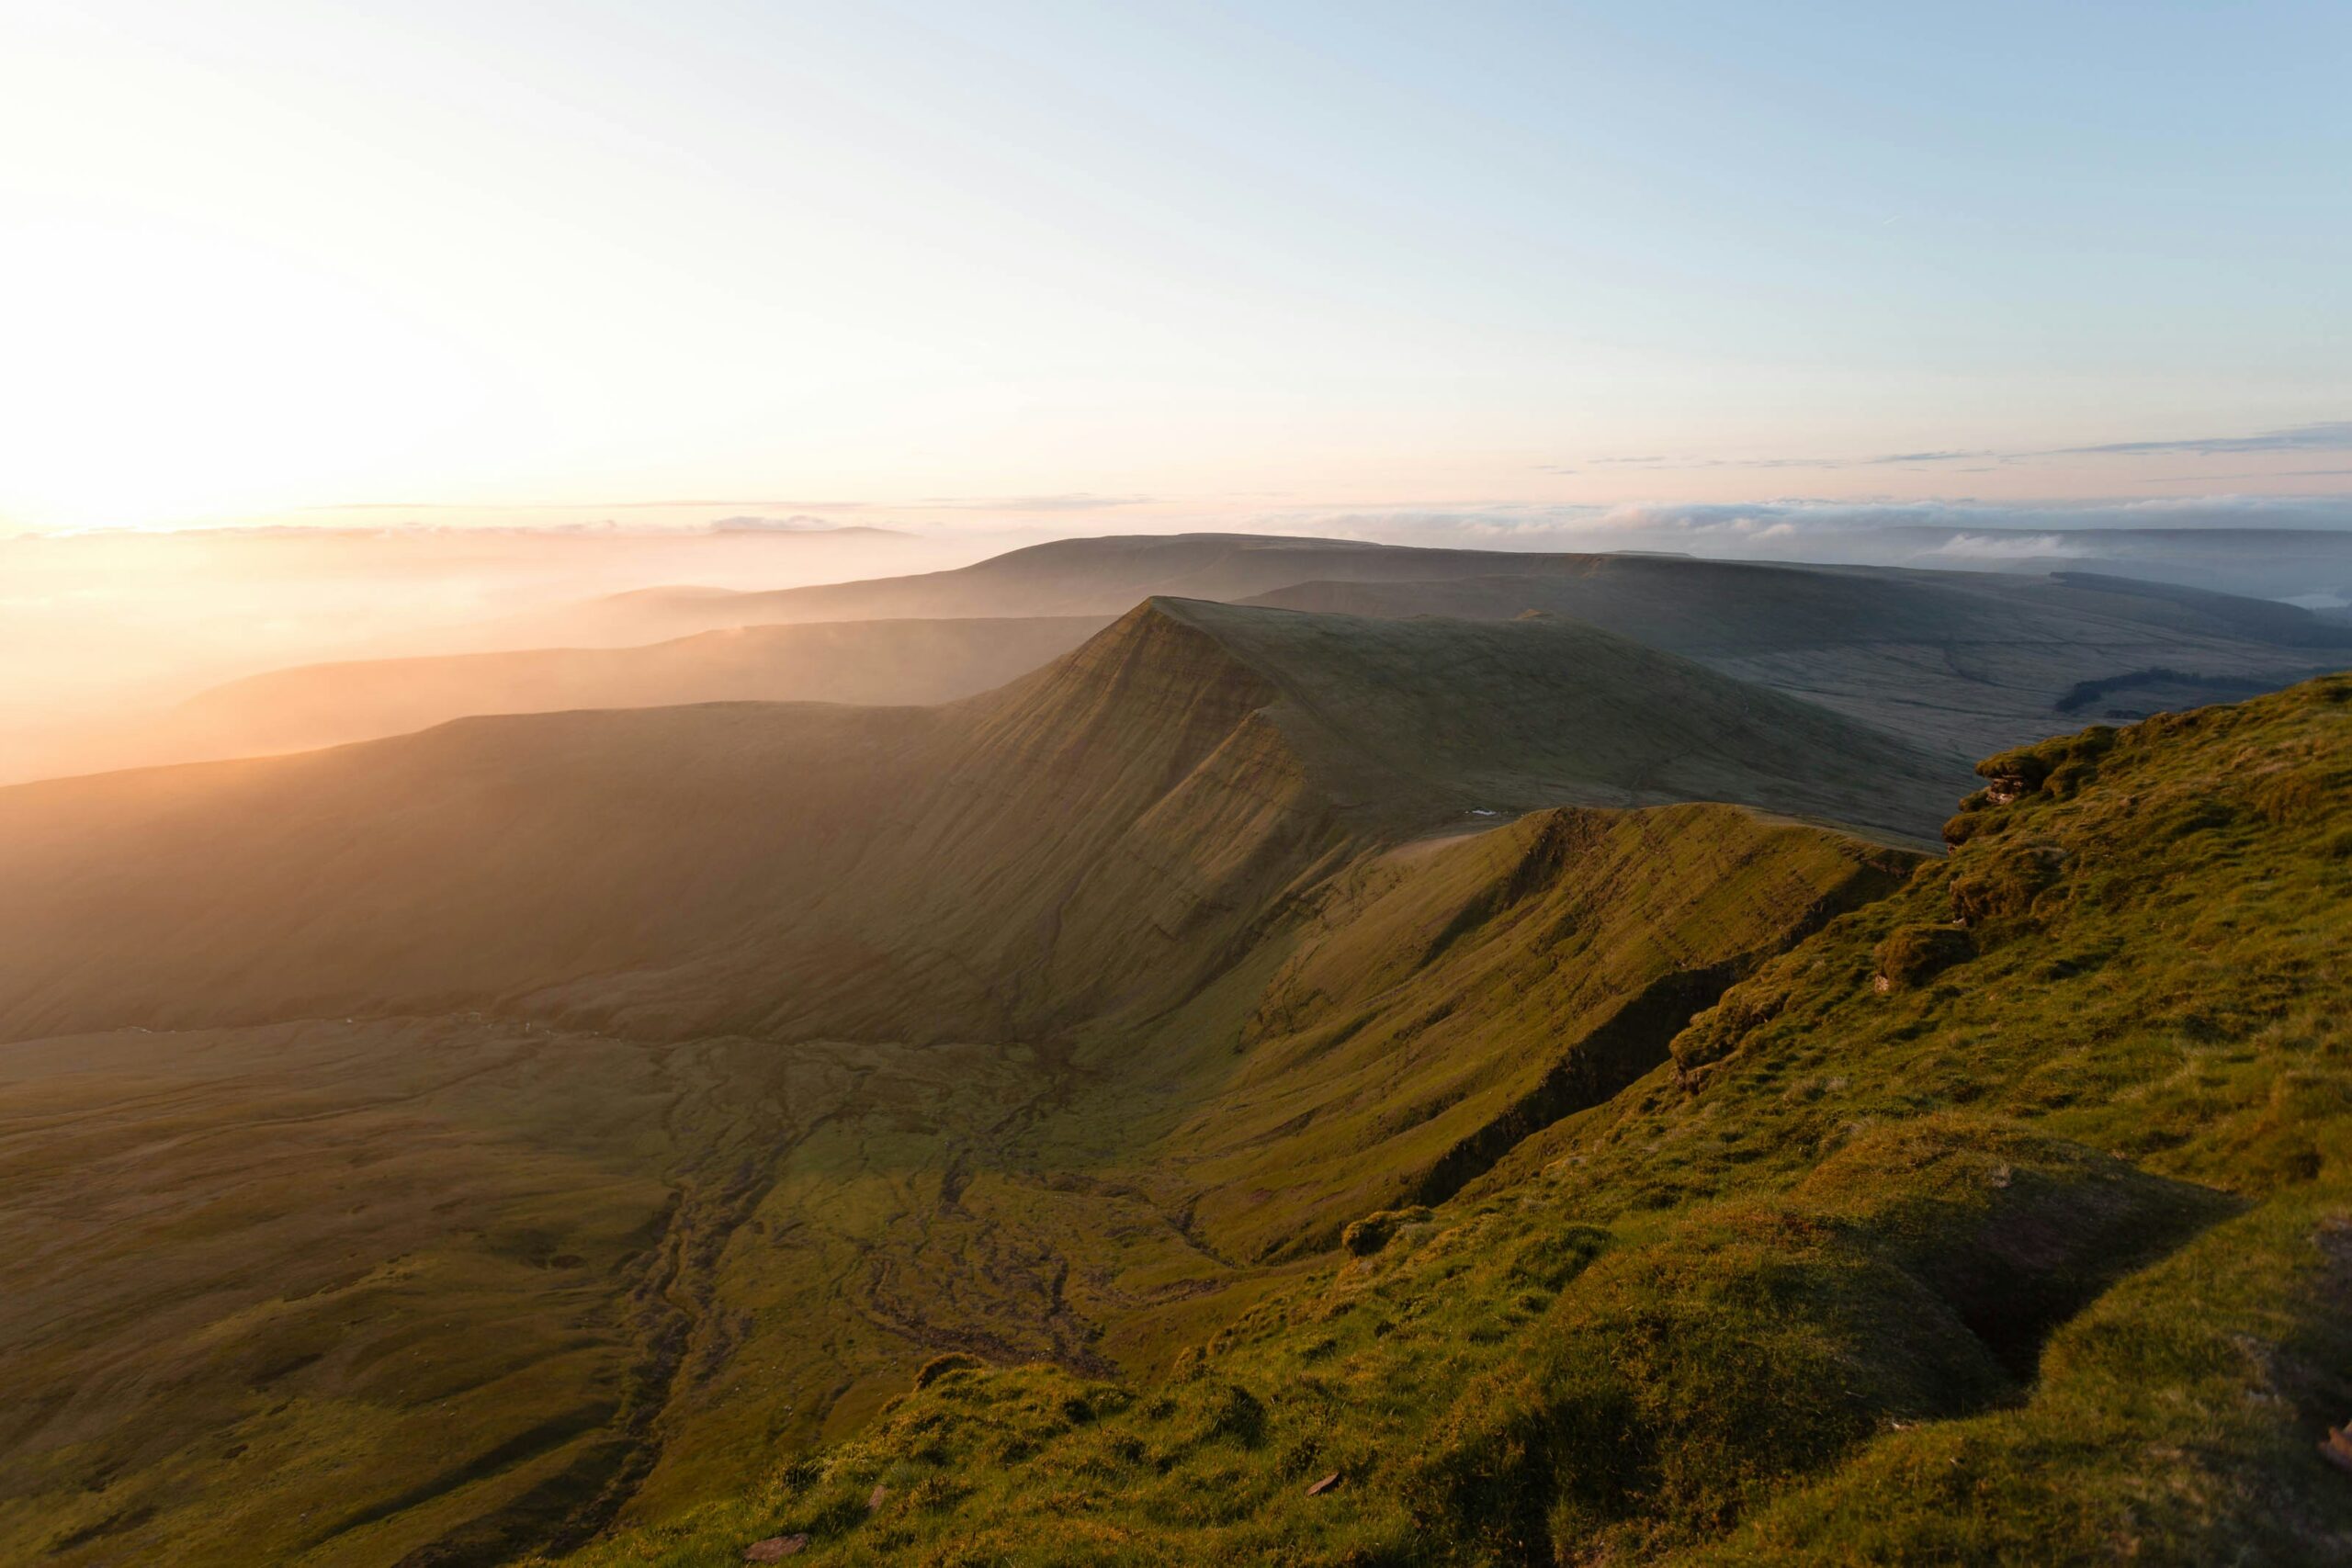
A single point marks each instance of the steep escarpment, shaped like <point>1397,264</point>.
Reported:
<point>1093,837</point>
<point>2030,1249</point>
<point>550,1118</point>
<point>1098,836</point>
<point>1449,1000</point>
<point>897,872</point>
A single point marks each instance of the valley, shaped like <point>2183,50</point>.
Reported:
<point>1265,1038</point>
<point>1131,785</point>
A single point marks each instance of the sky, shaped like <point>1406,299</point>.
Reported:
<point>998,264</point>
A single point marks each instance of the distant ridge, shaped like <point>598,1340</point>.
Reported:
<point>1962,662</point>
<point>870,663</point>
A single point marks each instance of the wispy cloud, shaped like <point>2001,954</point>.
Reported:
<point>2273,474</point>
<point>798,523</point>
<point>1078,501</point>
<point>1679,463</point>
<point>486,508</point>
<point>2330,436</point>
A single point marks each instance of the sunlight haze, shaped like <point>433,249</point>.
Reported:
<point>260,258</point>
<point>1117,783</point>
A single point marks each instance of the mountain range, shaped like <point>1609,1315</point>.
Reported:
<point>1150,1049</point>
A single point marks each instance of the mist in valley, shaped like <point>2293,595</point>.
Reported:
<point>106,634</point>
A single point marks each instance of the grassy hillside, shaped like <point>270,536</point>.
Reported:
<point>867,664</point>
<point>339,1290</point>
<point>551,1117</point>
<point>2005,1219</point>
<point>1101,835</point>
<point>601,1122</point>
<point>349,1290</point>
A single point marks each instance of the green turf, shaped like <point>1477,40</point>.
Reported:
<point>2036,1258</point>
<point>534,1159</point>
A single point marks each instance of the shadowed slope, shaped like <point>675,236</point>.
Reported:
<point>372,1283</point>
<point>1088,838</point>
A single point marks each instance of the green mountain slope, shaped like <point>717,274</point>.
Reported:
<point>2005,1219</point>
<point>547,1118</point>
<point>589,1122</point>
<point>1097,836</point>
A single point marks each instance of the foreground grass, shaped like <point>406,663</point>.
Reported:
<point>2008,1218</point>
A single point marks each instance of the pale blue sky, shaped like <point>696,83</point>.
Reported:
<point>256,257</point>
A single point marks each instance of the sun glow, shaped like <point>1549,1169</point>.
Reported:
<point>162,375</point>
<point>259,256</point>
